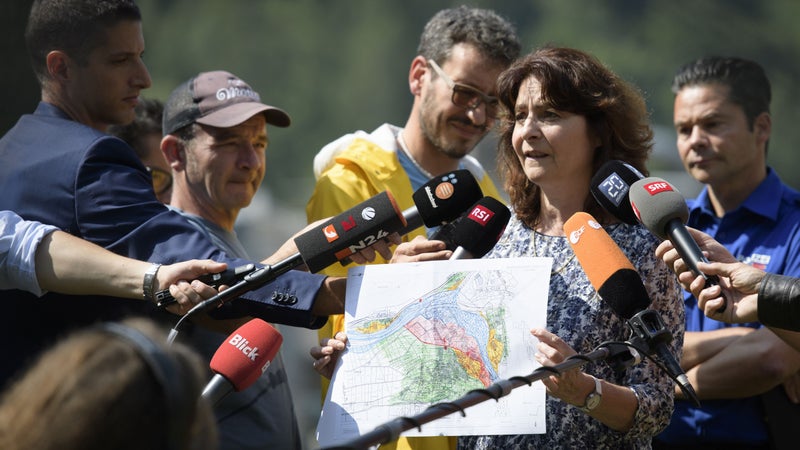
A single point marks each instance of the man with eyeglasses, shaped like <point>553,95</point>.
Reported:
<point>460,55</point>
<point>144,136</point>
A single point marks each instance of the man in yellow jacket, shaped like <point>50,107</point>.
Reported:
<point>460,55</point>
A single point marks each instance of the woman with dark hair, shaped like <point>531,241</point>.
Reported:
<point>566,114</point>
<point>111,386</point>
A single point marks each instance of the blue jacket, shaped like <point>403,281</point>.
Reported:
<point>57,171</point>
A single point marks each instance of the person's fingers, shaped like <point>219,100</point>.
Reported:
<point>663,248</point>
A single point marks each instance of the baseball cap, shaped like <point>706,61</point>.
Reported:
<point>219,99</point>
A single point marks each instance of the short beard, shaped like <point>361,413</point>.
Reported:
<point>436,140</point>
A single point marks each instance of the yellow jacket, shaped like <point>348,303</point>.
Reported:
<point>352,169</point>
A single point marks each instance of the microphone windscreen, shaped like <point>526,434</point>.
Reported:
<point>246,353</point>
<point>480,229</point>
<point>445,197</point>
<point>607,268</point>
<point>610,186</point>
<point>349,232</point>
<point>656,203</point>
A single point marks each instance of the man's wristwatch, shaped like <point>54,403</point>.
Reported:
<point>594,397</point>
<point>149,283</point>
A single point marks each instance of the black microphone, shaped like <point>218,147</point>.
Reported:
<point>477,232</point>
<point>349,232</point>
<point>663,211</point>
<point>610,186</point>
<point>439,200</point>
<point>442,199</point>
<point>242,359</point>
<point>231,275</point>
<point>334,239</point>
<point>619,285</point>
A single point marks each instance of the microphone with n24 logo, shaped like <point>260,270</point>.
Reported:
<point>438,201</point>
<point>349,232</point>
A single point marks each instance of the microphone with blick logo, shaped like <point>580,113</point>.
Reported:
<point>244,356</point>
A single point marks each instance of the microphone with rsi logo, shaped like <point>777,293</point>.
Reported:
<point>242,359</point>
<point>610,186</point>
<point>477,232</point>
<point>663,211</point>
<point>619,285</point>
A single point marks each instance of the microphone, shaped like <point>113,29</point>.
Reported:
<point>442,199</point>
<point>663,211</point>
<point>477,232</point>
<point>610,186</point>
<point>619,285</point>
<point>439,200</point>
<point>242,359</point>
<point>349,232</point>
<point>335,239</point>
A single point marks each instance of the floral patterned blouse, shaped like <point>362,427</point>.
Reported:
<point>577,315</point>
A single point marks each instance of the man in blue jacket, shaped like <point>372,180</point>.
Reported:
<point>58,166</point>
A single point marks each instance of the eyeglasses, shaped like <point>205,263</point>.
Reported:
<point>162,180</point>
<point>468,97</point>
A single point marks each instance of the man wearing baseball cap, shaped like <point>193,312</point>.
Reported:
<point>215,141</point>
<point>59,166</point>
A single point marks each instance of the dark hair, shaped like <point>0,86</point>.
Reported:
<point>148,121</point>
<point>576,82</point>
<point>495,37</point>
<point>109,394</point>
<point>75,27</point>
<point>748,85</point>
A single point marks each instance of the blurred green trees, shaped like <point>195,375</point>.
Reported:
<point>338,66</point>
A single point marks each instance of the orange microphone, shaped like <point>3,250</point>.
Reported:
<point>619,285</point>
<point>608,269</point>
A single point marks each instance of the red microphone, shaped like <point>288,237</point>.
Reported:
<point>242,359</point>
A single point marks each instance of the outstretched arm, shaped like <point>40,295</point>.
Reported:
<point>70,265</point>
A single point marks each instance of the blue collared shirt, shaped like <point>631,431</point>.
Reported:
<point>764,232</point>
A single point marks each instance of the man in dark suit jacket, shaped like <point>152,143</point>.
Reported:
<point>58,166</point>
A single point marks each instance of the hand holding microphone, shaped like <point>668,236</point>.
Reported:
<point>334,240</point>
<point>663,211</point>
<point>473,235</point>
<point>244,356</point>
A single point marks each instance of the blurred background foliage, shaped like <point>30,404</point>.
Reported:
<point>339,66</point>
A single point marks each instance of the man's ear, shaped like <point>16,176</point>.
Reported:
<point>58,65</point>
<point>762,126</point>
<point>419,67</point>
<point>173,150</point>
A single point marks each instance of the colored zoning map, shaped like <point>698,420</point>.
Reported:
<point>420,334</point>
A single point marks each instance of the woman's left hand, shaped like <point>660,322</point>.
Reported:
<point>572,386</point>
